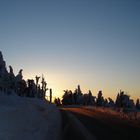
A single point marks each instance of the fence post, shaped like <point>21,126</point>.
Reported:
<point>50,95</point>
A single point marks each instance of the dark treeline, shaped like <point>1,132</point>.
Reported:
<point>9,83</point>
<point>78,98</point>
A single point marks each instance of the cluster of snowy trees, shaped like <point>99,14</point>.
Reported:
<point>9,83</point>
<point>78,98</point>
<point>123,100</point>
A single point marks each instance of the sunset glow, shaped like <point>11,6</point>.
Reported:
<point>86,42</point>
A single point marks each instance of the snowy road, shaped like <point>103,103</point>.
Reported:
<point>83,124</point>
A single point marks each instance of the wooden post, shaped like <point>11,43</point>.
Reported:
<point>50,95</point>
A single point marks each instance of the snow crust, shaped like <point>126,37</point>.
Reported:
<point>24,118</point>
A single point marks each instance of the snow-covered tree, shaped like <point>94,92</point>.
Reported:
<point>138,104</point>
<point>78,95</point>
<point>111,102</point>
<point>100,99</point>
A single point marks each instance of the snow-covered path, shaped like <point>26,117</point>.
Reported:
<point>98,125</point>
<point>28,119</point>
<point>73,128</point>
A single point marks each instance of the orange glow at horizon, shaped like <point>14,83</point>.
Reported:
<point>60,82</point>
<point>71,43</point>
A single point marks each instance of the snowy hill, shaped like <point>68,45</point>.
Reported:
<point>28,119</point>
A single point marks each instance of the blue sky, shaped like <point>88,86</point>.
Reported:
<point>94,43</point>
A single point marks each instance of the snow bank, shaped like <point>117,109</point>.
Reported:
<point>28,119</point>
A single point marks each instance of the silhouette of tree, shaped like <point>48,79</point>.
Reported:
<point>9,83</point>
<point>123,101</point>
<point>79,95</point>
<point>111,102</point>
<point>57,101</point>
<point>88,99</point>
<point>44,87</point>
<point>100,99</point>
<point>120,99</point>
<point>118,102</point>
<point>11,78</point>
<point>138,104</point>
<point>105,104</point>
<point>75,97</point>
<point>65,98</point>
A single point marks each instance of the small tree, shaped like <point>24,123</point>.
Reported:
<point>79,95</point>
<point>117,102</point>
<point>91,99</point>
<point>65,98</point>
<point>138,104</point>
<point>111,102</point>
<point>100,99</point>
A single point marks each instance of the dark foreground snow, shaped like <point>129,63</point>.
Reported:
<point>28,119</point>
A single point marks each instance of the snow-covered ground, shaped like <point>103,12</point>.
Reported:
<point>112,111</point>
<point>28,119</point>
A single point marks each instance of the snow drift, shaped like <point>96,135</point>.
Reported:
<point>28,119</point>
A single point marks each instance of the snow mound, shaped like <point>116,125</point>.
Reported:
<point>28,119</point>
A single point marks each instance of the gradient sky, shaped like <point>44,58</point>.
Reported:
<point>94,43</point>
